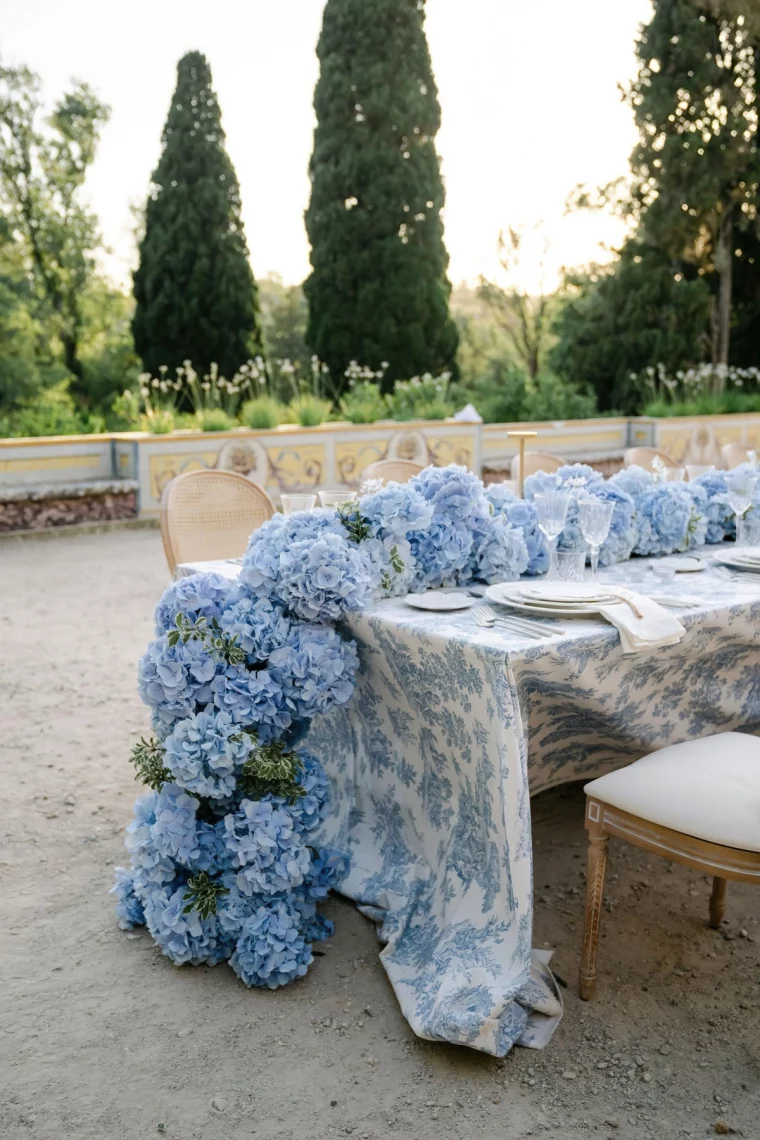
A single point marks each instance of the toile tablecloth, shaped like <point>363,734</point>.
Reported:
<point>453,727</point>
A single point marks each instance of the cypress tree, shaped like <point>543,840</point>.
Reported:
<point>194,290</point>
<point>696,168</point>
<point>378,290</point>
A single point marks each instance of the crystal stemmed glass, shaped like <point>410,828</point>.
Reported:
<point>741,487</point>
<point>551,509</point>
<point>595,517</point>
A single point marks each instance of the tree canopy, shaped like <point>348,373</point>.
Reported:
<point>378,291</point>
<point>194,289</point>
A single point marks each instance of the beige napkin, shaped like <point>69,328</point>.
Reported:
<point>656,627</point>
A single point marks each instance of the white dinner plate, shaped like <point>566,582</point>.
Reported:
<point>438,600</point>
<point>562,591</point>
<point>738,561</point>
<point>682,565</point>
<point>506,594</point>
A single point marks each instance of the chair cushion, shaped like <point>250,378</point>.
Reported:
<point>707,788</point>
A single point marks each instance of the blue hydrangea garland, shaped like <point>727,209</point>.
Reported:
<point>223,861</point>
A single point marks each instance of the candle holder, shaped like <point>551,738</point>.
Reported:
<point>522,436</point>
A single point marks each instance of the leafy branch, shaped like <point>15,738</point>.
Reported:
<point>272,769</point>
<point>356,525</point>
<point>148,759</point>
<point>203,894</point>
<point>209,634</point>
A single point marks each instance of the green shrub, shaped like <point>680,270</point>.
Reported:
<point>552,398</point>
<point>422,398</point>
<point>261,413</point>
<point>308,411</point>
<point>161,422</point>
<point>214,419</point>
<point>364,403</point>
<point>51,412</point>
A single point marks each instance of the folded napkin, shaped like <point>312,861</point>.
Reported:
<point>656,627</point>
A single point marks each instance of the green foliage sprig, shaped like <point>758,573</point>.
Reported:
<point>148,759</point>
<point>210,634</point>
<point>356,525</point>
<point>272,769</point>
<point>203,894</point>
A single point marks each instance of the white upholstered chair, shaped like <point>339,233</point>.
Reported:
<point>697,803</point>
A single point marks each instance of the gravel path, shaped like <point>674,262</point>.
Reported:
<point>101,1037</point>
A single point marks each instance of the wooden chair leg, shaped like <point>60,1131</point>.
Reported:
<point>717,902</point>
<point>597,861</point>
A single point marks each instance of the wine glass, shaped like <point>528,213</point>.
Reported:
<point>551,509</point>
<point>595,517</point>
<point>741,487</point>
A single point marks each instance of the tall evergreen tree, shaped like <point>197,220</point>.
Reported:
<point>378,291</point>
<point>696,168</point>
<point>194,290</point>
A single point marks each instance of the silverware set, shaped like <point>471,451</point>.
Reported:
<point>523,627</point>
<point>737,575</point>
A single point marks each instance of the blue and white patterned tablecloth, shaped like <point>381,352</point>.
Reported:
<point>452,728</point>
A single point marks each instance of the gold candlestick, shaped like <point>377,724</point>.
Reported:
<point>522,436</point>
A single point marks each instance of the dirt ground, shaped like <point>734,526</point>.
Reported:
<point>100,1036</point>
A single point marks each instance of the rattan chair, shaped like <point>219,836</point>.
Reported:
<point>392,470</point>
<point>210,514</point>
<point>643,456</point>
<point>536,461</point>
<point>733,454</point>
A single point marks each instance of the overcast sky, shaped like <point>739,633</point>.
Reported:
<point>528,91</point>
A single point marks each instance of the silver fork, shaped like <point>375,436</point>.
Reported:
<point>487,617</point>
<point>738,575</point>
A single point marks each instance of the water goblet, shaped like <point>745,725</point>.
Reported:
<point>293,503</point>
<point>551,510</point>
<point>741,487</point>
<point>595,517</point>
<point>337,498</point>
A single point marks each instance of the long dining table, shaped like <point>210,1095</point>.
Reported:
<point>453,728</point>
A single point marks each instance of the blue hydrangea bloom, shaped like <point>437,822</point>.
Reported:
<point>522,514</point>
<point>252,698</point>
<point>323,579</point>
<point>396,510</point>
<point>184,938</point>
<point>311,808</point>
<point>499,552</point>
<point>174,680</point>
<point>265,846</point>
<point>307,563</point>
<point>200,595</point>
<point>315,669</point>
<point>259,625</point>
<point>205,751</point>
<point>668,520</point>
<point>129,909</point>
<point>441,552</point>
<point>721,521</point>
<point>150,864</point>
<point>386,555</point>
<point>454,492</point>
<point>271,951</point>
<point>634,481</point>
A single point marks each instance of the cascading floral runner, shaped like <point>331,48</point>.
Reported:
<point>226,860</point>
